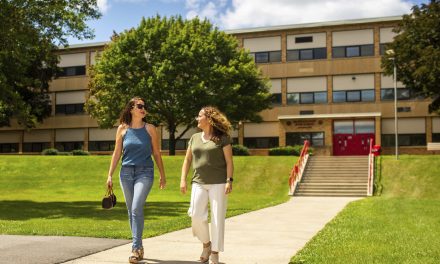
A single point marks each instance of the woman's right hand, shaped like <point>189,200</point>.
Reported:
<point>109,182</point>
<point>183,186</point>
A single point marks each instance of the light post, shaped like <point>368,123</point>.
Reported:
<point>393,58</point>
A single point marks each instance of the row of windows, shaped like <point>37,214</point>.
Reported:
<point>388,140</point>
<point>316,139</point>
<point>386,94</point>
<point>69,109</point>
<point>316,53</point>
<point>72,71</point>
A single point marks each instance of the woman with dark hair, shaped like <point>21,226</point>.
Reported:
<point>210,152</point>
<point>136,141</point>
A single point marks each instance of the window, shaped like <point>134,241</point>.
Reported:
<point>353,51</point>
<point>383,48</point>
<point>387,94</point>
<point>353,96</point>
<point>293,98</point>
<point>306,112</point>
<point>435,137</point>
<point>181,144</point>
<point>307,54</point>
<point>388,140</point>
<point>303,39</point>
<point>35,147</point>
<point>8,147</point>
<point>72,71</point>
<point>404,109</point>
<point>316,139</point>
<point>267,56</point>
<point>307,98</point>
<point>102,145</point>
<point>69,109</point>
<point>276,99</point>
<point>261,142</point>
<point>68,146</point>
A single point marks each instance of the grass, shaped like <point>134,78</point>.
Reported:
<point>61,195</point>
<point>402,225</point>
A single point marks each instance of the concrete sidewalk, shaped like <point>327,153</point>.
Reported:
<point>270,236</point>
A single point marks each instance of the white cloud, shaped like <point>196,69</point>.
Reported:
<point>103,6</point>
<point>254,13</point>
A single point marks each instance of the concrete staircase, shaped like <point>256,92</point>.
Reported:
<point>334,176</point>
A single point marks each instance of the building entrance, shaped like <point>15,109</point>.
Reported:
<point>352,137</point>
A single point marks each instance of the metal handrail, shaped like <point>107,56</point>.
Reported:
<point>298,169</point>
<point>370,170</point>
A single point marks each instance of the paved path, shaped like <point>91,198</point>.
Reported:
<point>50,249</point>
<point>268,236</point>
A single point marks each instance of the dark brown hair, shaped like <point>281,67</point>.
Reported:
<point>125,117</point>
<point>220,124</point>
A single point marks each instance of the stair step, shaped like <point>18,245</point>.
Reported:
<point>332,194</point>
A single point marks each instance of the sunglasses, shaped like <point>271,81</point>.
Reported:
<point>140,106</point>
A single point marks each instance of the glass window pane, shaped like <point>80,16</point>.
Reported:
<point>293,98</point>
<point>320,53</point>
<point>388,140</point>
<point>353,51</point>
<point>293,139</point>
<point>276,98</point>
<point>364,126</point>
<point>367,95</point>
<point>339,96</point>
<point>318,139</point>
<point>367,50</point>
<point>306,98</point>
<point>275,56</point>
<point>338,52</point>
<point>404,140</point>
<point>320,97</point>
<point>343,127</point>
<point>435,137</point>
<point>261,57</point>
<point>292,55</point>
<point>306,54</point>
<point>70,109</point>
<point>353,96</point>
<point>403,94</point>
<point>418,140</point>
<point>386,94</point>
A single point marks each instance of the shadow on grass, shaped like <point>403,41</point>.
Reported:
<point>25,210</point>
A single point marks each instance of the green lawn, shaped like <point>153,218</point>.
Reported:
<point>402,225</point>
<point>61,195</point>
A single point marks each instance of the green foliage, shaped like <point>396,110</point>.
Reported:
<point>288,151</point>
<point>80,152</point>
<point>177,66</point>
<point>30,32</point>
<point>50,152</point>
<point>417,52</point>
<point>61,195</point>
<point>240,150</point>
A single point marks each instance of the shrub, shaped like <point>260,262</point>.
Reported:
<point>288,151</point>
<point>80,152</point>
<point>50,151</point>
<point>240,150</point>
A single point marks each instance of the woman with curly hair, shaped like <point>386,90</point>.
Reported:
<point>210,152</point>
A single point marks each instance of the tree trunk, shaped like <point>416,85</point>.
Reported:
<point>172,142</point>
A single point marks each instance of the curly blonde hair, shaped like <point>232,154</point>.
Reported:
<point>219,122</point>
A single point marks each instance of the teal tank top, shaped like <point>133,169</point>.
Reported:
<point>137,148</point>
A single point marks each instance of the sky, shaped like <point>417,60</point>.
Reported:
<point>120,15</point>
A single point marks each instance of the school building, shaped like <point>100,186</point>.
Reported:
<point>327,87</point>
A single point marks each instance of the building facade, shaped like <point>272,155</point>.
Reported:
<point>327,86</point>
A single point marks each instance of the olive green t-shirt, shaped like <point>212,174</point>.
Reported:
<point>208,160</point>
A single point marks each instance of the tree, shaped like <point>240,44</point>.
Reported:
<point>30,33</point>
<point>417,52</point>
<point>177,66</point>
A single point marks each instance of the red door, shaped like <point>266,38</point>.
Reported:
<point>352,137</point>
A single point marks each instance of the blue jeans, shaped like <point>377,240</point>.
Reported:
<point>136,182</point>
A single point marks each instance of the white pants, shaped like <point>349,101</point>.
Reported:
<point>198,211</point>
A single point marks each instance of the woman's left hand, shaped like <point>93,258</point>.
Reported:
<point>228,188</point>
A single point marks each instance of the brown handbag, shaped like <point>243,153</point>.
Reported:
<point>109,200</point>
